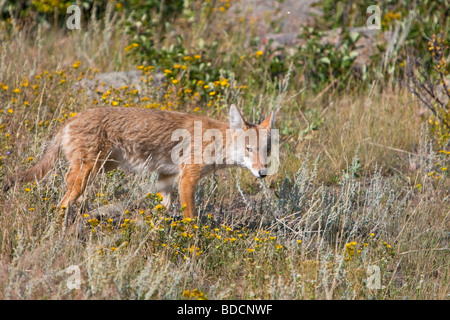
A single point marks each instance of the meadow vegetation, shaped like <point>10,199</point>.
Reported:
<point>364,154</point>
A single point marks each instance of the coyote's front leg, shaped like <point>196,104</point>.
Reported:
<point>190,174</point>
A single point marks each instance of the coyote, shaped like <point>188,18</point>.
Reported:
<point>105,138</point>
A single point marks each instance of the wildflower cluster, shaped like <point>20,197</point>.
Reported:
<point>441,167</point>
<point>194,293</point>
<point>354,249</point>
<point>390,17</point>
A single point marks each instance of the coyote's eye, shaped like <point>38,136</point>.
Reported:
<point>249,149</point>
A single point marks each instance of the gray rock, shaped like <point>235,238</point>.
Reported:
<point>291,14</point>
<point>115,80</point>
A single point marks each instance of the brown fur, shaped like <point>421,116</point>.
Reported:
<point>103,138</point>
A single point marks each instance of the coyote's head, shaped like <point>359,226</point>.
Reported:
<point>252,142</point>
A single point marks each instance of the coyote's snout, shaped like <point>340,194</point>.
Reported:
<point>176,145</point>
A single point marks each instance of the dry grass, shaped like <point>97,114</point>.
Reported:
<point>309,232</point>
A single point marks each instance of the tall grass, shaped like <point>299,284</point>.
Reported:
<point>363,188</point>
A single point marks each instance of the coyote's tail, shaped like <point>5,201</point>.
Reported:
<point>39,170</point>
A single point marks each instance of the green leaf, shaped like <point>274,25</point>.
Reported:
<point>354,54</point>
<point>353,36</point>
<point>325,60</point>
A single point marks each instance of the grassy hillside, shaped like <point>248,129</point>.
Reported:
<point>363,177</point>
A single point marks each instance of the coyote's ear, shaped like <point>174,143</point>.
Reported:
<point>236,119</point>
<point>269,122</point>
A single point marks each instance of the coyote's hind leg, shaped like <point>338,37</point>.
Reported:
<point>76,181</point>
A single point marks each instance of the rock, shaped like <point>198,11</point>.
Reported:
<point>282,39</point>
<point>105,81</point>
<point>116,80</point>
<point>291,14</point>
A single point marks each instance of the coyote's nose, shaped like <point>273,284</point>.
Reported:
<point>262,173</point>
